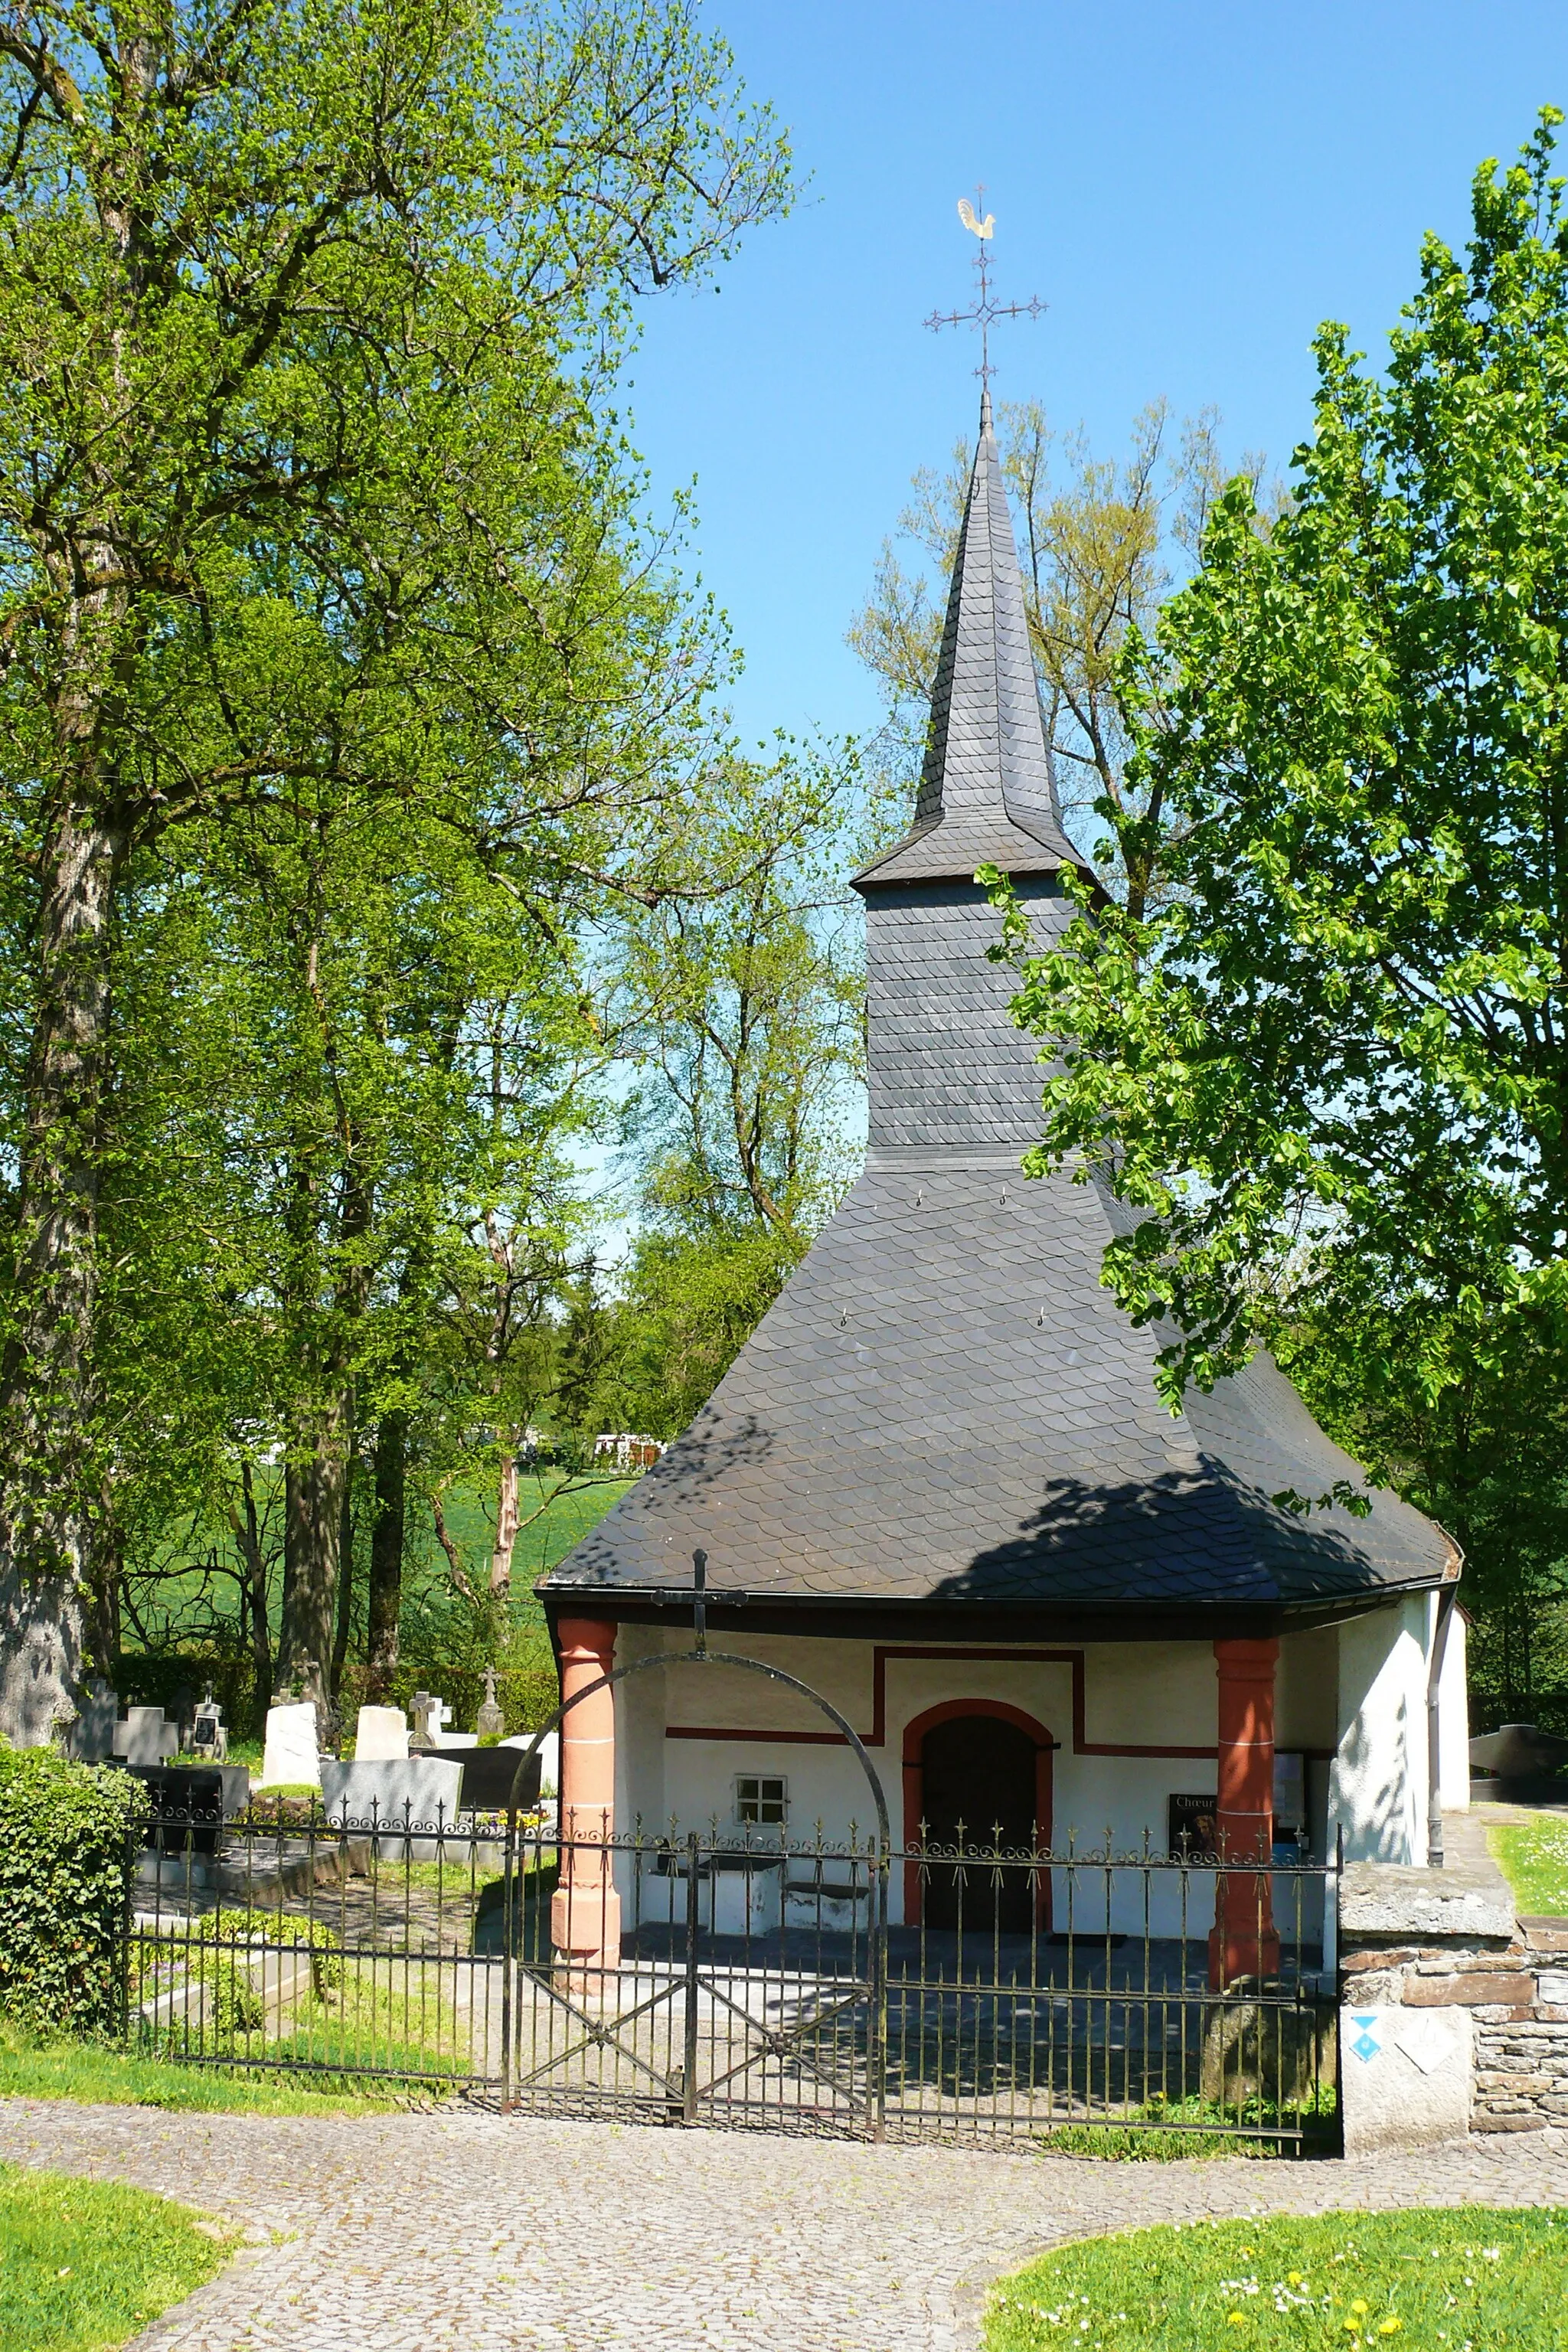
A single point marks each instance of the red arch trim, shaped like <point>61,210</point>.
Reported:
<point>914,1789</point>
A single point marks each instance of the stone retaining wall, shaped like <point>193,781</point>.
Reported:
<point>1449,1940</point>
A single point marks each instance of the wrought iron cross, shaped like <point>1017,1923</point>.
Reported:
<point>699,1600</point>
<point>698,1593</point>
<point>986,309</point>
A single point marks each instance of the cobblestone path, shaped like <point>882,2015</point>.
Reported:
<point>460,2232</point>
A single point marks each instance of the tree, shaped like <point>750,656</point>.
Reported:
<point>1101,542</point>
<point>282,297</point>
<point>1332,1068</point>
<point>745,1008</point>
<point>1487,1455</point>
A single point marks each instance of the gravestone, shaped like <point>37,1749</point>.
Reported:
<point>290,1754</point>
<point>145,1736</point>
<point>490,1722</point>
<point>407,1802</point>
<point>491,1783</point>
<point>431,1716</point>
<point>181,1839</point>
<point>381,1736</point>
<point>91,1736</point>
<point>209,1737</point>
<point>549,1758</point>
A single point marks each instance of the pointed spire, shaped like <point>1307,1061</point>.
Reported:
<point>986,792</point>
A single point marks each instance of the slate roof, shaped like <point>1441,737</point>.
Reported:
<point>944,1405</point>
<point>986,784</point>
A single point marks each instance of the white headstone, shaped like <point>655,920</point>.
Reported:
<point>1405,2076</point>
<point>381,1736</point>
<point>290,1753</point>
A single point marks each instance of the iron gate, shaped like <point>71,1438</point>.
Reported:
<point>754,1979</point>
<point>747,1985</point>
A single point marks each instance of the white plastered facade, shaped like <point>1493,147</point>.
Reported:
<point>1379,1786</point>
<point>1351,1698</point>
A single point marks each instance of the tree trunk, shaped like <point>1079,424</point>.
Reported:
<point>107,1570</point>
<point>52,1530</point>
<point>312,1535</point>
<point>248,1535</point>
<point>345,1569</point>
<point>386,1539</point>
<point>506,1520</point>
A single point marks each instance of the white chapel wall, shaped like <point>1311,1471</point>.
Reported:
<point>1377,1791</point>
<point>1454,1718</point>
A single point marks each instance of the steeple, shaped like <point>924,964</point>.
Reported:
<point>986,794</point>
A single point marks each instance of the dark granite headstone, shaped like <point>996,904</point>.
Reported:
<point>187,1806</point>
<point>491,1783</point>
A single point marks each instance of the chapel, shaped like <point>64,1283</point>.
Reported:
<point>940,1476</point>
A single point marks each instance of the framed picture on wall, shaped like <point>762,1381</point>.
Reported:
<point>1193,1829</point>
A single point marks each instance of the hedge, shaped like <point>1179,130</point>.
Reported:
<point>65,1863</point>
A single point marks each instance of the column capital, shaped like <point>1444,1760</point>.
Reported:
<point>587,1637</point>
<point>1247,1654</point>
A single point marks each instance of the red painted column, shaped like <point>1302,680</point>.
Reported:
<point>585,1912</point>
<point>1244,1942</point>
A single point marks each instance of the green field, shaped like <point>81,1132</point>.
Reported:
<point>85,2264</point>
<point>1471,2281</point>
<point>555,1516</point>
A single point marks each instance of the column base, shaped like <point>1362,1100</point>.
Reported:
<point>586,1931</point>
<point>1241,1952</point>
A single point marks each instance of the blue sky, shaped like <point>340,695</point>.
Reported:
<point>1190,188</point>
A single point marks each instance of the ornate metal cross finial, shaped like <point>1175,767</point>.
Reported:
<point>985,307</point>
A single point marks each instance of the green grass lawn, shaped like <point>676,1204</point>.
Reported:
<point>103,2078</point>
<point>84,2264</point>
<point>1533,1858</point>
<point>1195,2129</point>
<point>1471,2281</point>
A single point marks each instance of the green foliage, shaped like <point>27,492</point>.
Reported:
<point>1486,1457</point>
<point>1330,1070</point>
<point>1533,1856</point>
<point>234,1927</point>
<point>746,990</point>
<point>38,2068</point>
<point>88,2263</point>
<point>1475,2276</point>
<point>1196,2129</point>
<point>232,2007</point>
<point>688,1302</point>
<point>66,1855</point>
<point>346,691</point>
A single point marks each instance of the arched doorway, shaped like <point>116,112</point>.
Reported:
<point>988,1767</point>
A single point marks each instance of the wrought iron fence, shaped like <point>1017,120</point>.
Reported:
<point>741,1976</point>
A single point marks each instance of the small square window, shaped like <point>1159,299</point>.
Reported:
<point>761,1799</point>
